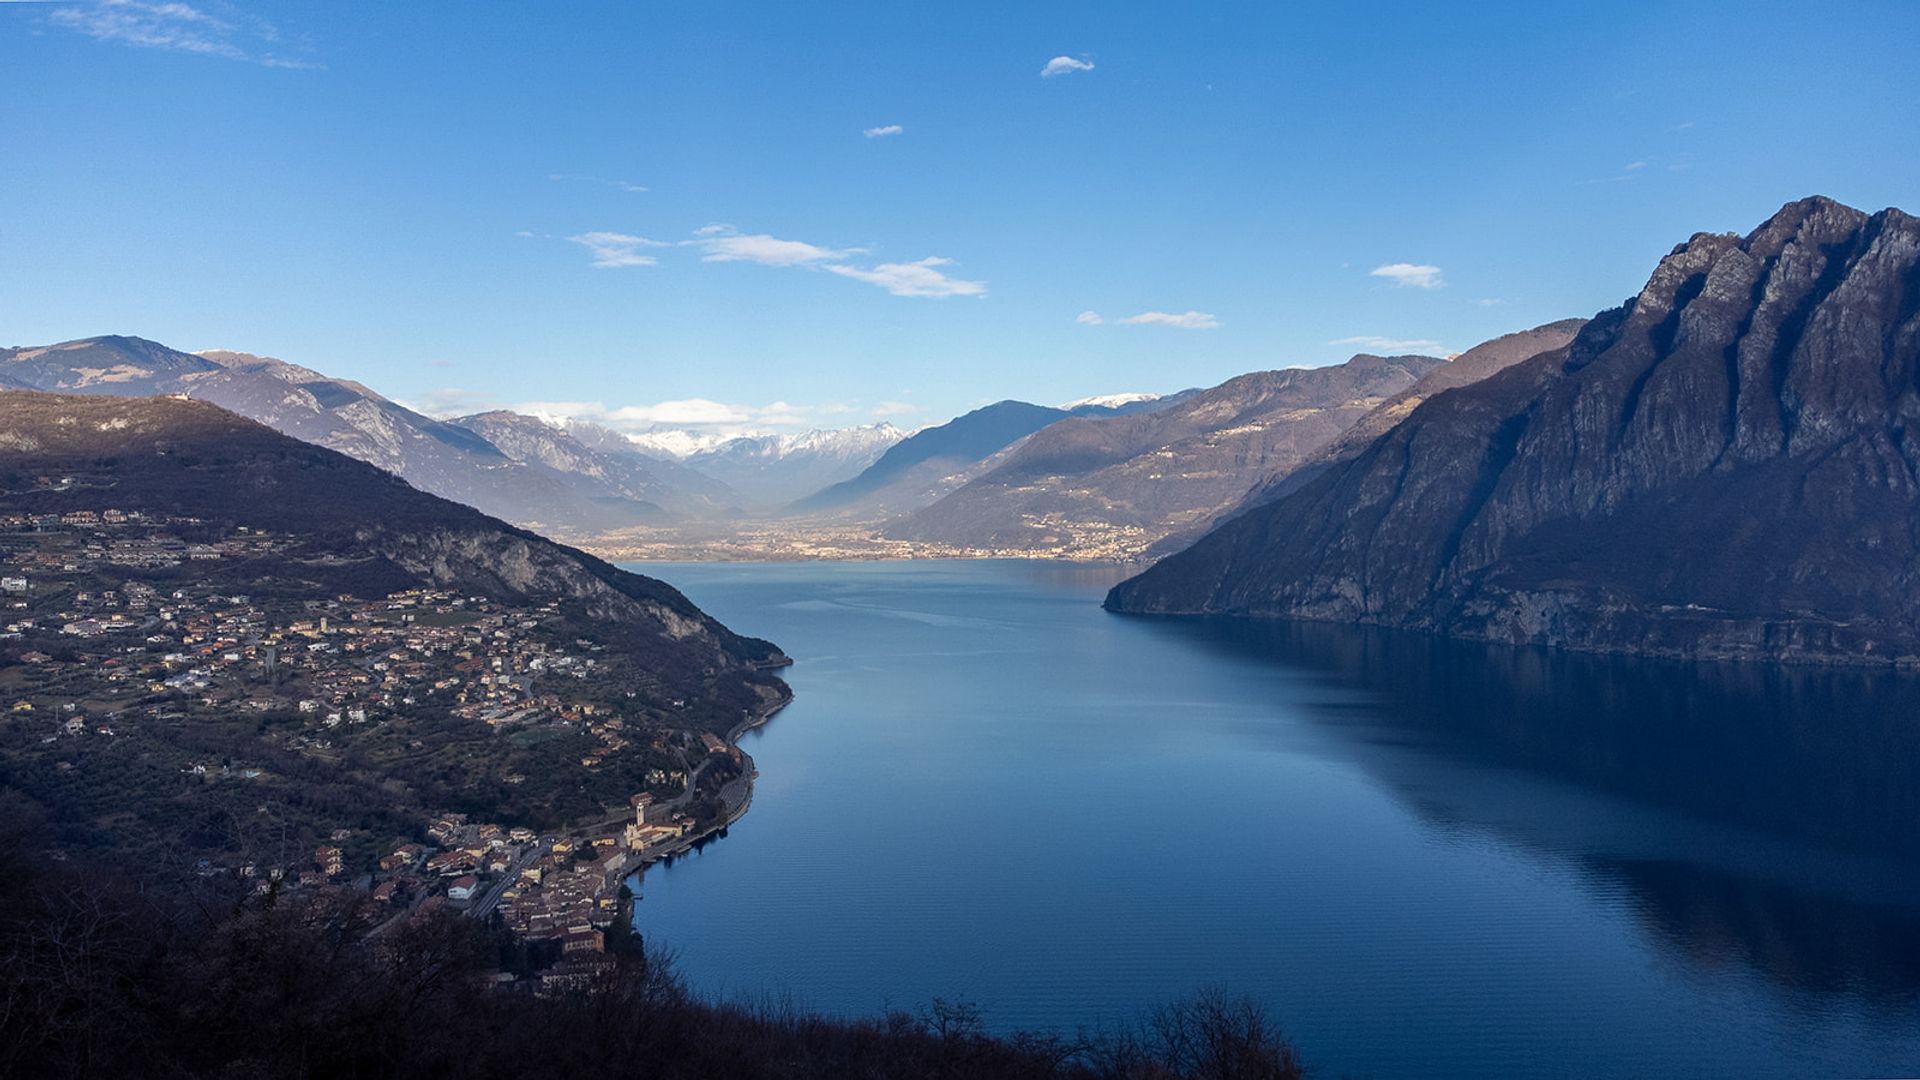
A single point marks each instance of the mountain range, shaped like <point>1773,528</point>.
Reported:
<point>565,477</point>
<point>1111,486</point>
<point>770,471</point>
<point>1722,466</point>
<point>920,469</point>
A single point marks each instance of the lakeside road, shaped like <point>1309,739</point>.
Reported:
<point>736,796</point>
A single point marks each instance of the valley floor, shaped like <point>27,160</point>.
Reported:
<point>790,542</point>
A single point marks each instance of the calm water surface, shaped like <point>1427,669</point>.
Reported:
<point>1427,859</point>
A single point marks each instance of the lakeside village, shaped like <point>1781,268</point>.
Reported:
<point>154,651</point>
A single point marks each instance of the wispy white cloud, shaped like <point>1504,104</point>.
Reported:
<point>721,243</point>
<point>612,250</point>
<point>179,27</point>
<point>922,278</point>
<point>1065,65</point>
<point>451,401</point>
<point>1186,320</point>
<point>708,418</point>
<point>1392,345</point>
<point>1490,301</point>
<point>1629,171</point>
<point>883,131</point>
<point>1417,275</point>
<point>619,185</point>
<point>884,409</point>
<point>1089,318</point>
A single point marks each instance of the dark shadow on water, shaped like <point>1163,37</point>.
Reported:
<point>1764,815</point>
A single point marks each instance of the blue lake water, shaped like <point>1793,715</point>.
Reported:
<point>1425,858</point>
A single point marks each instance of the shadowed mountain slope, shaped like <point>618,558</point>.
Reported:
<point>1720,467</point>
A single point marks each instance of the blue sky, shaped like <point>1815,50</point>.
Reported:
<point>665,212</point>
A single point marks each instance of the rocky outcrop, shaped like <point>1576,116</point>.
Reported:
<point>1720,467</point>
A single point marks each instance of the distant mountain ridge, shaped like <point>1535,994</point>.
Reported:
<point>434,455</point>
<point>1109,487</point>
<point>1483,360</point>
<point>917,465</point>
<point>623,472</point>
<point>1721,467</point>
<point>770,471</point>
<point>918,470</point>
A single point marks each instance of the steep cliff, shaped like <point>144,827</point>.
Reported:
<point>1720,467</point>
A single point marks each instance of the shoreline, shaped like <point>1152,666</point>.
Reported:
<point>749,773</point>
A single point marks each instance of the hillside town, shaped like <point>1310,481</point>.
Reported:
<point>121,670</point>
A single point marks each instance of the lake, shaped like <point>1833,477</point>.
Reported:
<point>1425,858</point>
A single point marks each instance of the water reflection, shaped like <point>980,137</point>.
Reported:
<point>1760,815</point>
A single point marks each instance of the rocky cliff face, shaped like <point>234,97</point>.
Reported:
<point>1111,486</point>
<point>1720,467</point>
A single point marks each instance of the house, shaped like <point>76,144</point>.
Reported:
<point>328,859</point>
<point>587,940</point>
<point>463,888</point>
<point>448,863</point>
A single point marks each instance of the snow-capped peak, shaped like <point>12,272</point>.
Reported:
<point>1110,401</point>
<point>821,442</point>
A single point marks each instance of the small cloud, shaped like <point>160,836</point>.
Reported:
<point>690,411</point>
<point>1391,345</point>
<point>710,418</point>
<point>1416,275</point>
<point>1683,126</point>
<point>1065,65</point>
<point>440,362</point>
<point>619,185</point>
<point>1632,165</point>
<point>1089,318</point>
<point>894,408</point>
<point>883,132</point>
<point>612,250</point>
<point>1191,320</point>
<point>451,401</point>
<point>178,27</point>
<point>1491,301</point>
<point>921,278</point>
<point>722,244</point>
